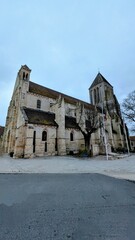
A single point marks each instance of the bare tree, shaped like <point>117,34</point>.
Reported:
<point>128,110</point>
<point>88,126</point>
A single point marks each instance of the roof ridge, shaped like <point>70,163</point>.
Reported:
<point>98,79</point>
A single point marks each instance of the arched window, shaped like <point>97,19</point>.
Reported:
<point>71,136</point>
<point>23,75</point>
<point>97,95</point>
<point>44,136</point>
<point>38,104</point>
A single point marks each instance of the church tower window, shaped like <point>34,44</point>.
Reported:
<point>23,75</point>
<point>27,76</point>
<point>95,97</point>
<point>98,95</point>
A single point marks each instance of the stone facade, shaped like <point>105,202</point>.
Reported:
<point>1,139</point>
<point>132,143</point>
<point>43,122</point>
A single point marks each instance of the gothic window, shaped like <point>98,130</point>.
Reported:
<point>71,136</point>
<point>44,136</point>
<point>38,104</point>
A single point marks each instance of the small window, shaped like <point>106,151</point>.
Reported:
<point>38,104</point>
<point>45,146</point>
<point>56,145</point>
<point>44,136</point>
<point>34,141</point>
<point>71,137</point>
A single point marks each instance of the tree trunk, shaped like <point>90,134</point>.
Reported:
<point>87,142</point>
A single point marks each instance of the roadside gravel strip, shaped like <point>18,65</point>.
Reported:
<point>120,168</point>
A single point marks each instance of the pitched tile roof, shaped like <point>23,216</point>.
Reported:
<point>70,122</point>
<point>99,79</point>
<point>47,92</point>
<point>40,117</point>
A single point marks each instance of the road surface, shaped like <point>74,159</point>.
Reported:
<point>66,206</point>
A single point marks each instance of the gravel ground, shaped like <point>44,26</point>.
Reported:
<point>119,168</point>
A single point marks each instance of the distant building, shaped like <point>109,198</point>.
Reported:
<point>41,121</point>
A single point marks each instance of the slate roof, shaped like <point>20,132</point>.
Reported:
<point>1,130</point>
<point>70,122</point>
<point>40,117</point>
<point>99,79</point>
<point>26,67</point>
<point>47,92</point>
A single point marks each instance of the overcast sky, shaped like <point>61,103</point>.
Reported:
<point>66,43</point>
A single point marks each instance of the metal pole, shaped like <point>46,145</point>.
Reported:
<point>104,134</point>
<point>126,137</point>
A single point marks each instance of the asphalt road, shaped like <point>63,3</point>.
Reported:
<point>66,206</point>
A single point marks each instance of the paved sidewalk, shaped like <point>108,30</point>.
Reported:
<point>120,168</point>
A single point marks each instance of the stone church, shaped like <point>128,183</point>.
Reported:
<point>42,122</point>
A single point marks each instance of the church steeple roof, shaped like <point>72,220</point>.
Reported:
<point>26,67</point>
<point>99,79</point>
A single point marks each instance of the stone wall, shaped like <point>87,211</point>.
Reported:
<point>77,144</point>
<point>40,148</point>
<point>45,102</point>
